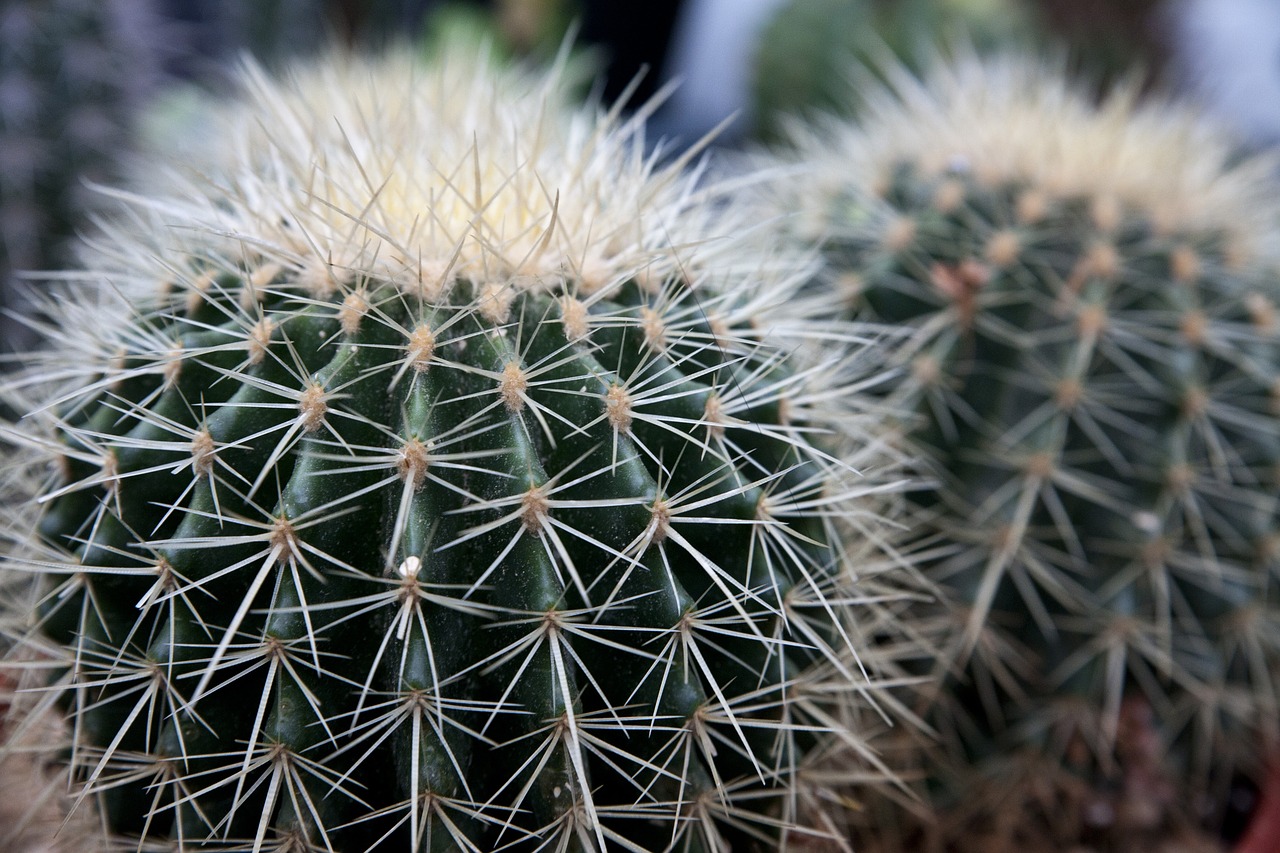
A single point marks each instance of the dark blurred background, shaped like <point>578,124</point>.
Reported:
<point>87,84</point>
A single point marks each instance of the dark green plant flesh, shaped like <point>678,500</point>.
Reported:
<point>1098,396</point>
<point>360,569</point>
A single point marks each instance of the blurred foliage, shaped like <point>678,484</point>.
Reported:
<point>805,56</point>
<point>73,74</point>
<point>536,26</point>
<point>807,53</point>
<point>1107,40</point>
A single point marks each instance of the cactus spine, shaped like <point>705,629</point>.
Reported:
<point>1091,366</point>
<point>433,477</point>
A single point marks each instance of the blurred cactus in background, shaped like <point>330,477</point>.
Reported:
<point>73,74</point>
<point>1088,296</point>
<point>443,474</point>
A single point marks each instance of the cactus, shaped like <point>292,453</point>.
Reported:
<point>433,476</point>
<point>1087,301</point>
<point>72,75</point>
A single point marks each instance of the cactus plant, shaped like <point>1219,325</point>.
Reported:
<point>72,75</point>
<point>433,476</point>
<point>1086,296</point>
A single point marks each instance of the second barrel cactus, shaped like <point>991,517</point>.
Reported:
<point>432,476</point>
<point>1090,364</point>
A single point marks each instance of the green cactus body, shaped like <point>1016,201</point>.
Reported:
<point>452,494</point>
<point>1089,366</point>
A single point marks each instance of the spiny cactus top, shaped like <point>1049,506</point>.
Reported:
<point>1091,358</point>
<point>433,475</point>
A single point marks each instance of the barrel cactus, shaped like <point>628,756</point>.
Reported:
<point>432,474</point>
<point>73,74</point>
<point>1086,297</point>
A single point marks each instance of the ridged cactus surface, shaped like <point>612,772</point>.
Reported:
<point>438,478</point>
<point>1090,363</point>
<point>802,63</point>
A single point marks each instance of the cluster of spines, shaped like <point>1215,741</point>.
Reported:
<point>255,469</point>
<point>1098,396</point>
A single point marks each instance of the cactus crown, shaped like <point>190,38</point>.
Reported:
<point>1090,351</point>
<point>432,472</point>
<point>1007,118</point>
